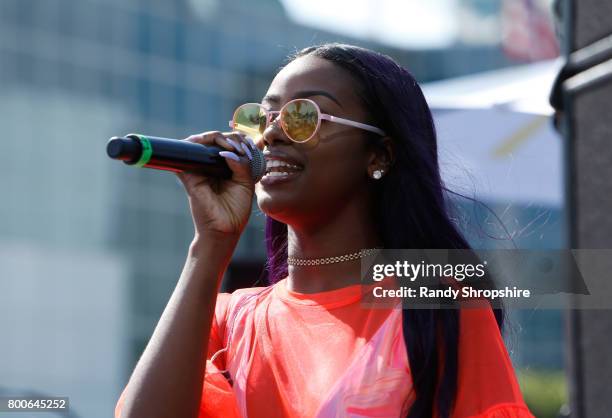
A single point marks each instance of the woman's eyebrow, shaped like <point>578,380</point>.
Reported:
<point>273,98</point>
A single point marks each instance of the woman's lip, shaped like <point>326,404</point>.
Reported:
<point>267,180</point>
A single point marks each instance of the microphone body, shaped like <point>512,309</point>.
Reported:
<point>177,156</point>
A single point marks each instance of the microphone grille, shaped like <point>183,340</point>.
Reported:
<point>258,165</point>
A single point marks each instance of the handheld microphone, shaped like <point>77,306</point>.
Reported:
<point>178,156</point>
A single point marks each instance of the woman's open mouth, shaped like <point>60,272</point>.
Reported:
<point>280,171</point>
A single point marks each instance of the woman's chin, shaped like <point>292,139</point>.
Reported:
<point>268,205</point>
<point>275,205</point>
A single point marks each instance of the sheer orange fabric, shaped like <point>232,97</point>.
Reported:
<point>325,355</point>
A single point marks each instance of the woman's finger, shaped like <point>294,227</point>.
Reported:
<point>251,142</point>
<point>234,142</point>
<point>230,155</point>
<point>239,165</point>
<point>205,138</point>
<point>247,150</point>
<point>241,143</point>
<point>230,143</point>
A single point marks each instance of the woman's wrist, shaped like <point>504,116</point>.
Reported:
<point>207,260</point>
<point>213,248</point>
<point>213,240</point>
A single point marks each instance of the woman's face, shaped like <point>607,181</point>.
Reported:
<point>333,164</point>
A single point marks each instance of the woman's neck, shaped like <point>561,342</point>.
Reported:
<point>349,231</point>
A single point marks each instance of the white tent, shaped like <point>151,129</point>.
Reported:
<point>495,135</point>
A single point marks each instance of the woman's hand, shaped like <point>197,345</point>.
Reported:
<point>222,206</point>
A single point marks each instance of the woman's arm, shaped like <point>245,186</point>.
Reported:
<point>168,379</point>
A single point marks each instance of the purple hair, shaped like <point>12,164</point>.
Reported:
<point>411,211</point>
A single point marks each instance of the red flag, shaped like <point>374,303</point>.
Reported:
<point>528,31</point>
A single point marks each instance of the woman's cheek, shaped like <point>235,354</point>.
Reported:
<point>336,180</point>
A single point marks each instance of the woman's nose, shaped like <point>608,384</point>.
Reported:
<point>274,133</point>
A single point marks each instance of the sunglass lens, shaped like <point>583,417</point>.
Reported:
<point>250,119</point>
<point>299,120</point>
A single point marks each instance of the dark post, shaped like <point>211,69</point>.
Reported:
<point>583,97</point>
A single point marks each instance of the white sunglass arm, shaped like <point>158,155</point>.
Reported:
<point>352,123</point>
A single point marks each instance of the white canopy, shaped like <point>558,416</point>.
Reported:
<point>495,135</point>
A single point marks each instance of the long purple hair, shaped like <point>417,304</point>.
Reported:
<point>411,211</point>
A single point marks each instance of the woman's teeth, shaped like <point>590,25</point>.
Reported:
<point>277,174</point>
<point>277,167</point>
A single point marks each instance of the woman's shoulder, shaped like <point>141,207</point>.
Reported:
<point>228,302</point>
<point>227,308</point>
<point>228,297</point>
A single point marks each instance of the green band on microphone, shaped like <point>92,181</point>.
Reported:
<point>147,151</point>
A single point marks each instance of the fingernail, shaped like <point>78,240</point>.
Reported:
<point>247,150</point>
<point>230,155</point>
<point>251,142</point>
<point>235,145</point>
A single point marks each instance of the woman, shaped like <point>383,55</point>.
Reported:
<point>304,346</point>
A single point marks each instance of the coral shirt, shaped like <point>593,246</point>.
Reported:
<point>325,355</point>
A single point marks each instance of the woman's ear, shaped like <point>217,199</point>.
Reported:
<point>382,156</point>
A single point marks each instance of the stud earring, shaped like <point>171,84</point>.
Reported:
<point>378,174</point>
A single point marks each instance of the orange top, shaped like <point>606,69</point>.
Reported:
<point>325,355</point>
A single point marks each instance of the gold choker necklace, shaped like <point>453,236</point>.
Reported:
<point>330,260</point>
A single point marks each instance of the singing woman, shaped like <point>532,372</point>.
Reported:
<point>352,164</point>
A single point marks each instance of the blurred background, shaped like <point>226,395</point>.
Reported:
<point>90,249</point>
